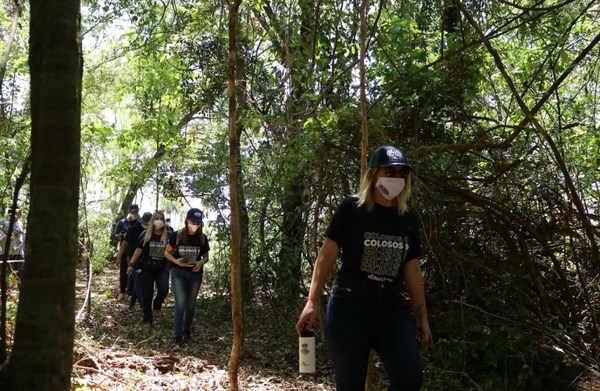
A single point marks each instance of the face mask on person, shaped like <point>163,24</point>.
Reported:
<point>390,188</point>
<point>193,227</point>
<point>158,224</point>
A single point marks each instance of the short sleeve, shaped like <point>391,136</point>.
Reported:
<point>206,245</point>
<point>341,220</point>
<point>414,238</point>
<point>173,239</point>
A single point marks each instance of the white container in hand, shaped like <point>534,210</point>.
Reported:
<point>306,351</point>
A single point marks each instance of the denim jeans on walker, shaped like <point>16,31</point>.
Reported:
<point>185,285</point>
<point>365,315</point>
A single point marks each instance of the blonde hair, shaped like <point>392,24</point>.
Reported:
<point>367,187</point>
<point>150,230</point>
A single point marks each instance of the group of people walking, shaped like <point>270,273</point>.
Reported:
<point>148,251</point>
<point>375,233</point>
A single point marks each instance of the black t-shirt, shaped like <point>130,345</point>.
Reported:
<point>153,253</point>
<point>122,227</point>
<point>191,249</point>
<point>132,237</point>
<point>375,245</point>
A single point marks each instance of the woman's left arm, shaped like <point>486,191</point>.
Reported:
<point>200,264</point>
<point>413,279</point>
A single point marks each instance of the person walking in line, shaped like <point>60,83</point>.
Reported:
<point>377,235</point>
<point>169,227</point>
<point>150,254</point>
<point>118,236</point>
<point>187,253</point>
<point>17,242</point>
<point>128,246</point>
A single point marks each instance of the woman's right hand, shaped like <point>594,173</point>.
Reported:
<point>129,270</point>
<point>307,317</point>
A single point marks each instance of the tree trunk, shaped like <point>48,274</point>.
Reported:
<point>42,355</point>
<point>11,39</point>
<point>292,232</point>
<point>241,106</point>
<point>300,59</point>
<point>364,147</point>
<point>363,95</point>
<point>5,251</point>
<point>236,294</point>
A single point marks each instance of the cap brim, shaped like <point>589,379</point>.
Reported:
<point>196,221</point>
<point>396,164</point>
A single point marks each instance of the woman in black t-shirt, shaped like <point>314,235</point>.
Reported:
<point>150,254</point>
<point>378,237</point>
<point>188,253</point>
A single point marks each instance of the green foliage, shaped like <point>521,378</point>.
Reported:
<point>494,356</point>
<point>502,231</point>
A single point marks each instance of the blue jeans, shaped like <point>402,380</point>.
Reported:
<point>148,278</point>
<point>365,315</point>
<point>185,285</point>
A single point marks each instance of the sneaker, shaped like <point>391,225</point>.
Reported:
<point>188,335</point>
<point>178,343</point>
<point>156,313</point>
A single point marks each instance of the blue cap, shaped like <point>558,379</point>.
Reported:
<point>134,207</point>
<point>195,215</point>
<point>387,156</point>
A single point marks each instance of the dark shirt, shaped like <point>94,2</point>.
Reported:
<point>191,249</point>
<point>153,253</point>
<point>121,228</point>
<point>374,246</point>
<point>132,237</point>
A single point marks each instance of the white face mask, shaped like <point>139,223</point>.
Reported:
<point>390,188</point>
<point>158,224</point>
<point>193,228</point>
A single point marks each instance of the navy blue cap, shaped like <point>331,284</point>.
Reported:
<point>134,207</point>
<point>387,156</point>
<point>195,215</point>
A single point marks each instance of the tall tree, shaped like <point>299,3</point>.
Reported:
<point>43,347</point>
<point>236,267</point>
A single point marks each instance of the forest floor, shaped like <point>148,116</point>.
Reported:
<point>115,351</point>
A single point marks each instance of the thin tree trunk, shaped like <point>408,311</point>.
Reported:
<point>236,272</point>
<point>5,252</point>
<point>364,128</point>
<point>241,106</point>
<point>11,39</point>
<point>363,94</point>
<point>42,355</point>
